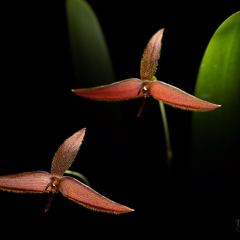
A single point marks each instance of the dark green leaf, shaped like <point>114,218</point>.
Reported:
<point>93,67</point>
<point>91,58</point>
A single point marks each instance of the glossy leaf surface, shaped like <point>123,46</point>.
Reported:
<point>216,134</point>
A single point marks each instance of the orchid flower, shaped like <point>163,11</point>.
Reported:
<point>147,85</point>
<point>54,182</point>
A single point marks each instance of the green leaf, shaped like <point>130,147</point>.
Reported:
<point>216,134</point>
<point>91,59</point>
<point>79,175</point>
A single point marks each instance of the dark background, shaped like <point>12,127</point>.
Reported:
<point>38,111</point>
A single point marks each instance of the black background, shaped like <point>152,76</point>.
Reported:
<point>38,111</point>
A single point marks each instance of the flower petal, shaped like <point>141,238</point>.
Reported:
<point>26,182</point>
<point>89,198</point>
<point>178,98</point>
<point>118,91</point>
<point>151,56</point>
<point>67,152</point>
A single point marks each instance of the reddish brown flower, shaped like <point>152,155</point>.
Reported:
<point>54,182</point>
<point>146,86</point>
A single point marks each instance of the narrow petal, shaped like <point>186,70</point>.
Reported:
<point>118,91</point>
<point>151,56</point>
<point>178,98</point>
<point>89,198</point>
<point>67,152</point>
<point>26,182</point>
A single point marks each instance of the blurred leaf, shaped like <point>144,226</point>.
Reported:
<point>92,65</point>
<point>90,55</point>
<point>216,134</point>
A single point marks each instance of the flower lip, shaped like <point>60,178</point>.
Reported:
<point>145,88</point>
<point>53,185</point>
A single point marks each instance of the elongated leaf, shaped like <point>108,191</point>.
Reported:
<point>91,60</point>
<point>86,196</point>
<point>93,67</point>
<point>216,134</point>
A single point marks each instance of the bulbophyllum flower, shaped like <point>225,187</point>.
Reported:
<point>54,182</point>
<point>147,85</point>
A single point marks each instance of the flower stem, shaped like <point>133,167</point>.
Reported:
<point>49,202</point>
<point>169,152</point>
